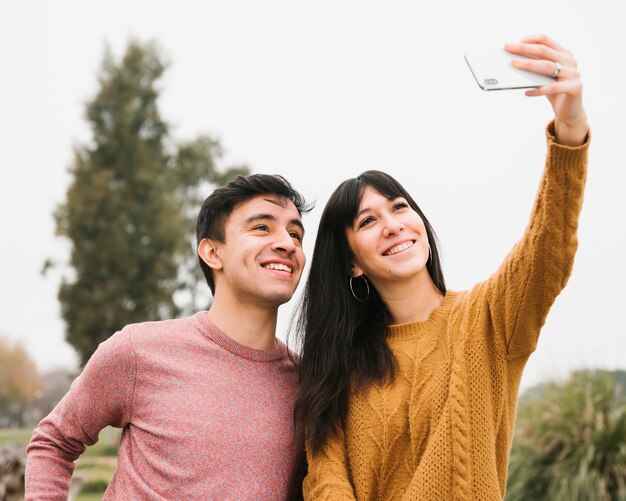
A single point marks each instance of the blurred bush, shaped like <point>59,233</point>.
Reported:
<point>570,440</point>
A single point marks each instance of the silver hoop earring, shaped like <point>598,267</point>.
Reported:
<point>430,254</point>
<point>366,285</point>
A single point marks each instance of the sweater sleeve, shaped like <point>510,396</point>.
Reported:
<point>99,397</point>
<point>520,294</point>
<point>328,478</point>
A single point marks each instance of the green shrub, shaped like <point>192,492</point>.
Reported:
<point>96,485</point>
<point>570,441</point>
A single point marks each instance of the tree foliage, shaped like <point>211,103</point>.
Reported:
<point>129,211</point>
<point>19,381</point>
<point>570,441</point>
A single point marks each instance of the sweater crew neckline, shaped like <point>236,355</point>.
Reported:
<point>210,330</point>
<point>401,332</point>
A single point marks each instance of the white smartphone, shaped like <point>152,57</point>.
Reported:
<point>493,71</point>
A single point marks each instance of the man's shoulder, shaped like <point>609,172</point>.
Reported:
<point>159,331</point>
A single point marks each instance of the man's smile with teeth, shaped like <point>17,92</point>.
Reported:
<point>277,266</point>
<point>399,248</point>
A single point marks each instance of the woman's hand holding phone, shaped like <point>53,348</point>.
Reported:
<point>565,95</point>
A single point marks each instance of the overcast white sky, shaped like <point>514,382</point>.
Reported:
<point>319,92</point>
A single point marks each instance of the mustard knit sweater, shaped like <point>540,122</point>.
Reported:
<point>442,429</point>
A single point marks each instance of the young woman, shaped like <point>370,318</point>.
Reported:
<point>408,390</point>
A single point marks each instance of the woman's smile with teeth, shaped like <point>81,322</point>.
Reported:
<point>277,266</point>
<point>399,248</point>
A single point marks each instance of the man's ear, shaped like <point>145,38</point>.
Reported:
<point>208,252</point>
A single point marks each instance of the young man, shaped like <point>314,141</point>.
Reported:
<point>206,402</point>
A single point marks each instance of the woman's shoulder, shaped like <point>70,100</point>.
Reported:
<point>466,306</point>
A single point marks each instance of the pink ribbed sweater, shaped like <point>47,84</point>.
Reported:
<point>203,417</point>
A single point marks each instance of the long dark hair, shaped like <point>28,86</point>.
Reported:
<point>344,340</point>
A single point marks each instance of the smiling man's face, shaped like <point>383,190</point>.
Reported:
<point>261,256</point>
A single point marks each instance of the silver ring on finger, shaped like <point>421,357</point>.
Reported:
<point>557,69</point>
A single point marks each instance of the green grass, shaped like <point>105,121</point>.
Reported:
<point>95,470</point>
<point>96,474</point>
<point>107,444</point>
<point>89,496</point>
<point>97,464</point>
<point>13,435</point>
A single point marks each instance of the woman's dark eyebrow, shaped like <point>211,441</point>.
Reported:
<point>367,209</point>
<point>361,212</point>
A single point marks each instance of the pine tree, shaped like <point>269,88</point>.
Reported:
<point>128,210</point>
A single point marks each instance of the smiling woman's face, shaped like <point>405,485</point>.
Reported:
<point>388,239</point>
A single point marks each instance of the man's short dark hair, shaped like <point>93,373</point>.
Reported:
<point>219,204</point>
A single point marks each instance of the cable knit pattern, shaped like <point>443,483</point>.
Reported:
<point>461,471</point>
<point>442,430</point>
<point>203,417</point>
